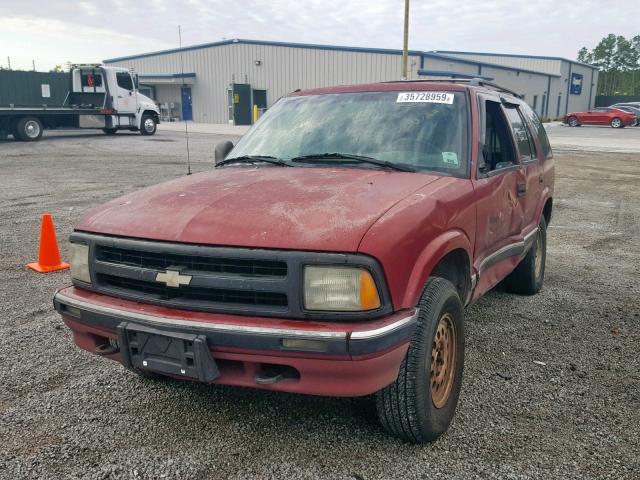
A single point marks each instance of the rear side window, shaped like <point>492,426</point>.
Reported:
<point>520,132</point>
<point>538,130</point>
<point>124,80</point>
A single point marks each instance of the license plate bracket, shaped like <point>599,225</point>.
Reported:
<point>174,353</point>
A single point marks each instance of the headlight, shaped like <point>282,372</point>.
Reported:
<point>343,289</point>
<point>80,262</point>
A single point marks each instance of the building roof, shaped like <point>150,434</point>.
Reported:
<point>265,43</point>
<point>441,54</point>
<point>517,55</point>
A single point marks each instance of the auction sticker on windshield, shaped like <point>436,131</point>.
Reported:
<point>426,97</point>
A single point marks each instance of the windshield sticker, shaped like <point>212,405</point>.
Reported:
<point>450,159</point>
<point>425,97</point>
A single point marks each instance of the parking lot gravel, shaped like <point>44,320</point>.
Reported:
<point>551,386</point>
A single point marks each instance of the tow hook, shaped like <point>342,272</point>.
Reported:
<point>271,374</point>
<point>108,348</point>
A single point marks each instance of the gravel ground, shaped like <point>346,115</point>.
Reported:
<point>67,414</point>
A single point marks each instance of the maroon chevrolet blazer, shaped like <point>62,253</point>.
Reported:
<point>330,252</point>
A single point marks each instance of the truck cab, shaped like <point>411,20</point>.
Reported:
<point>332,251</point>
<point>118,88</point>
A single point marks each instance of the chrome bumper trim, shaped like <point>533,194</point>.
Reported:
<point>155,320</point>
<point>387,329</point>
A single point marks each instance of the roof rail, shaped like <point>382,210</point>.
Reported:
<point>473,82</point>
<point>479,82</point>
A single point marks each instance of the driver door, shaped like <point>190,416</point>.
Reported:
<point>499,184</point>
<point>125,97</point>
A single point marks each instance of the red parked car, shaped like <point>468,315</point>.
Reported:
<point>601,116</point>
<point>330,252</point>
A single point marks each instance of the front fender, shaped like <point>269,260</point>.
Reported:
<point>414,235</point>
<point>435,251</point>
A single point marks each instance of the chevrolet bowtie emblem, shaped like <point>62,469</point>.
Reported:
<point>173,278</point>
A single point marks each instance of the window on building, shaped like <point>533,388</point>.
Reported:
<point>124,80</point>
<point>520,132</point>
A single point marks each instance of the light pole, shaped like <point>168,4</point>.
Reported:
<point>405,46</point>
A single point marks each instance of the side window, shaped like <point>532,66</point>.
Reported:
<point>497,151</point>
<point>520,132</point>
<point>538,129</point>
<point>124,80</point>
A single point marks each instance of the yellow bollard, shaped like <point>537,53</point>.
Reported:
<point>255,113</point>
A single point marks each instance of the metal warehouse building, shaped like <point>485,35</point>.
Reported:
<point>220,82</point>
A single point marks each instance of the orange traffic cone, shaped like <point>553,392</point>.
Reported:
<point>49,256</point>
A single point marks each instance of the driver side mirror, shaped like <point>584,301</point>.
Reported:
<point>221,151</point>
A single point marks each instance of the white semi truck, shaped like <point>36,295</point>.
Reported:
<point>96,96</point>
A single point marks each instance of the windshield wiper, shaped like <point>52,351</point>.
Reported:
<point>350,158</point>
<point>254,159</point>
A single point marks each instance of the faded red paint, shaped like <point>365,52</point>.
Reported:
<point>407,221</point>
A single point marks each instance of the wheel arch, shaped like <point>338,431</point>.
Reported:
<point>547,210</point>
<point>153,113</point>
<point>448,256</point>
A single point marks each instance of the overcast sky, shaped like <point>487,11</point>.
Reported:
<point>56,31</point>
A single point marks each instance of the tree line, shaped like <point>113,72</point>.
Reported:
<point>618,60</point>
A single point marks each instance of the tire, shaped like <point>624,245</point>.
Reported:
<point>110,131</point>
<point>573,122</point>
<point>29,129</point>
<point>411,408</point>
<point>148,125</point>
<point>528,276</point>
<point>616,123</point>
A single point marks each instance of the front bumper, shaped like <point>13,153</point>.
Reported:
<point>329,358</point>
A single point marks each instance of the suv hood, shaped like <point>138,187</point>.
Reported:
<point>300,208</point>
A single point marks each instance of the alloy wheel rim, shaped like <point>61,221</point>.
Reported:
<point>148,125</point>
<point>615,122</point>
<point>443,361</point>
<point>32,129</point>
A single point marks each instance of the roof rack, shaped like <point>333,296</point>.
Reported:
<point>473,82</point>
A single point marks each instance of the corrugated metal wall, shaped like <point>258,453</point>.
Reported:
<point>281,70</point>
<point>545,65</point>
<point>25,88</point>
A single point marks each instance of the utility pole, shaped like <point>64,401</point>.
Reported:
<point>405,46</point>
<point>9,62</point>
<point>33,62</point>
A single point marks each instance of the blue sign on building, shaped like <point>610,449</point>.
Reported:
<point>576,84</point>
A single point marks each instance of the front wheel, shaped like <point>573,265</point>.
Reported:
<point>419,406</point>
<point>616,123</point>
<point>573,122</point>
<point>148,125</point>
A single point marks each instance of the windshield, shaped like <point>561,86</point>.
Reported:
<point>421,129</point>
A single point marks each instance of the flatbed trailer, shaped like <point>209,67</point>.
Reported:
<point>98,97</point>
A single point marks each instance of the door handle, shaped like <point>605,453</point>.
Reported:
<point>521,189</point>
